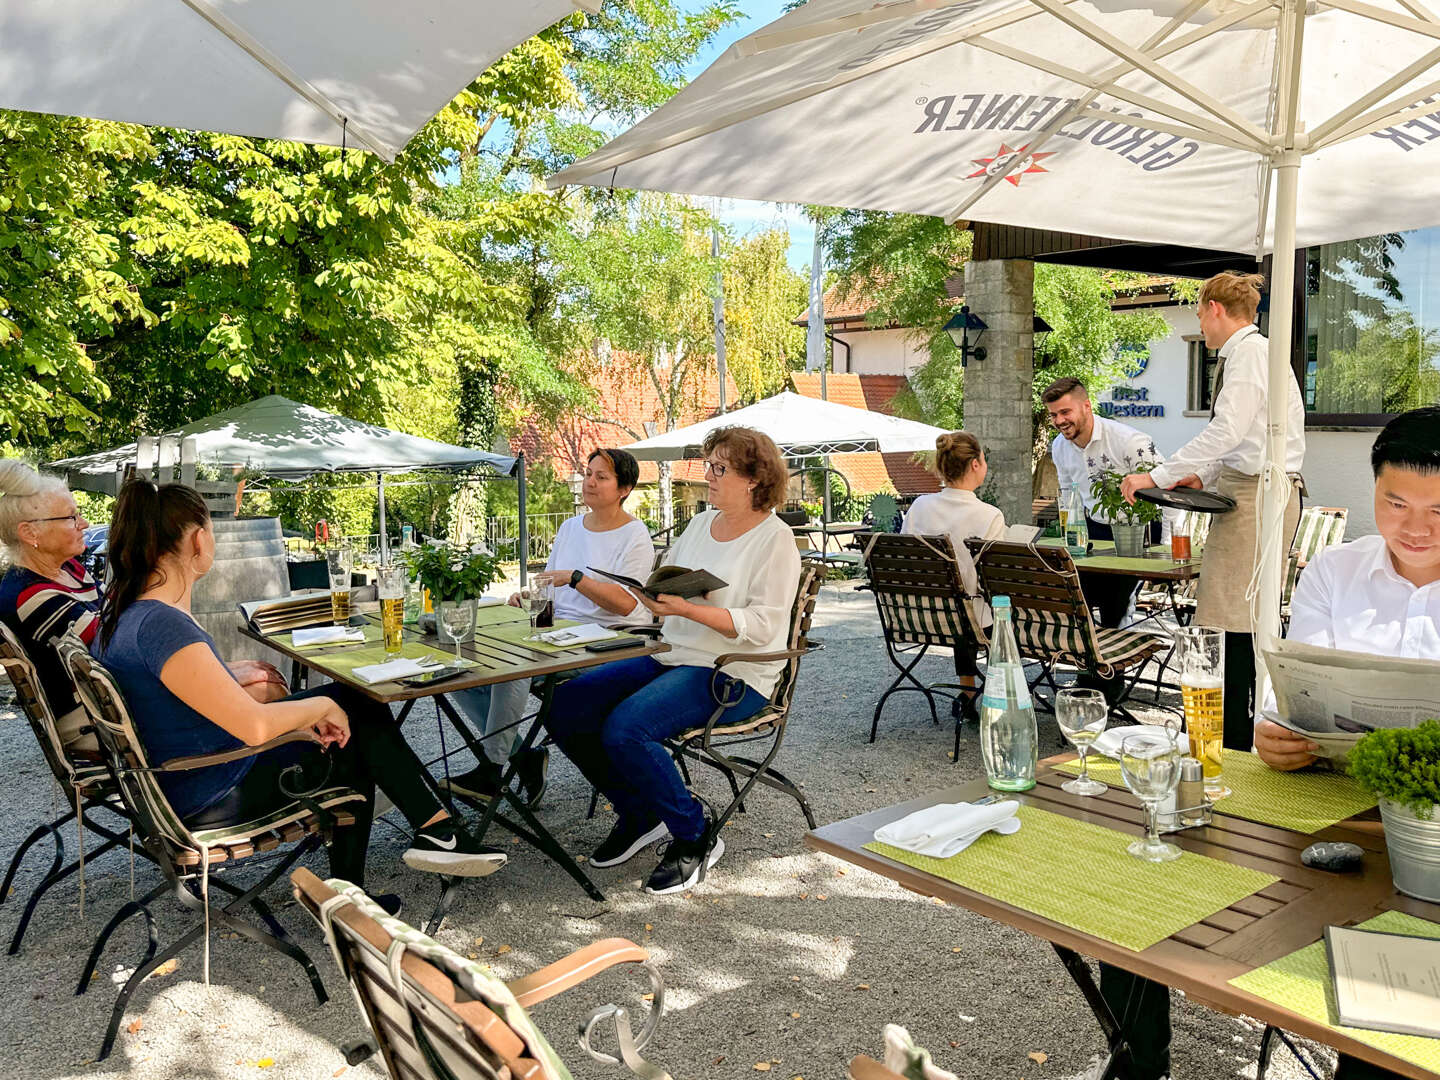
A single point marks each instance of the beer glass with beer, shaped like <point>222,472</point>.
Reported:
<point>339,562</point>
<point>1200,655</point>
<point>392,606</point>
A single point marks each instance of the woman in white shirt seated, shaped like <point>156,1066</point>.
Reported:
<point>957,512</point>
<point>612,721</point>
<point>606,537</point>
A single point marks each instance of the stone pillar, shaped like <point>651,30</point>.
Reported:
<point>998,389</point>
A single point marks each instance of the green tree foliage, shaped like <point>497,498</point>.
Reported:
<point>762,297</point>
<point>1394,366</point>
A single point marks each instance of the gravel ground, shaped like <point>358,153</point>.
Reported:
<point>781,956</point>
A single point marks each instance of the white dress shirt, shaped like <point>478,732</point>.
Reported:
<point>958,514</point>
<point>1350,597</point>
<point>1114,446</point>
<point>1235,435</point>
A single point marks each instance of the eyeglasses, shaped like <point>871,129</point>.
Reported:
<point>74,520</point>
<point>716,468</point>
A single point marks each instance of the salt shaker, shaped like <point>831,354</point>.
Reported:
<point>1190,794</point>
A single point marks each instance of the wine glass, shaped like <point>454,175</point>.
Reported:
<point>457,618</point>
<point>1082,715</point>
<point>1150,762</point>
<point>538,600</point>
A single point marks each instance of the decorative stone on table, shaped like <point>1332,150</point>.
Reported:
<point>1335,857</point>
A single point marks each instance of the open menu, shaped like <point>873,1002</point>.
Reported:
<point>1385,982</point>
<point>674,580</point>
<point>309,607</point>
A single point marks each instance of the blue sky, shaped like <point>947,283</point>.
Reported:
<point>745,216</point>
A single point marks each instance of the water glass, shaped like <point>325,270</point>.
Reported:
<point>392,582</point>
<point>1200,657</point>
<point>1150,762</point>
<point>1082,715</point>
<point>339,562</point>
<point>456,620</point>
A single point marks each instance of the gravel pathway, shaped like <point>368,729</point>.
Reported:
<point>782,957</point>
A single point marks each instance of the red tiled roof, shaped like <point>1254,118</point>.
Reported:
<point>626,400</point>
<point>870,472</point>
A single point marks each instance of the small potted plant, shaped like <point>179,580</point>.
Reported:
<point>1129,522</point>
<point>456,575</point>
<point>1401,767</point>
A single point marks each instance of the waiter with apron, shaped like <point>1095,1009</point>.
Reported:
<point>1228,455</point>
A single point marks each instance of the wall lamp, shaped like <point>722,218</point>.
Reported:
<point>960,327</point>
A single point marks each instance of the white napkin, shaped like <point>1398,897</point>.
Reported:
<point>489,601</point>
<point>1108,742</point>
<point>402,668</point>
<point>577,635</point>
<point>949,828</point>
<point>327,635</point>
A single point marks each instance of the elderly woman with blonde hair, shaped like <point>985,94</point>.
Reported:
<point>612,721</point>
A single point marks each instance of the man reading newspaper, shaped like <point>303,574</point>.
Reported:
<point>1378,595</point>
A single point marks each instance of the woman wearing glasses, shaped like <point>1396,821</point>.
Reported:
<point>612,721</point>
<point>46,591</point>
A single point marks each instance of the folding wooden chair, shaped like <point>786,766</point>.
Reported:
<point>434,1015</point>
<point>1052,619</point>
<point>83,778</point>
<point>191,860</point>
<point>713,744</point>
<point>922,602</point>
<point>1320,527</point>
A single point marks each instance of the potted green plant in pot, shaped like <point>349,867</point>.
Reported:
<point>456,575</point>
<point>1129,522</point>
<point>1401,767</point>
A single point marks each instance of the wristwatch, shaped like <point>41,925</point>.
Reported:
<point>575,579</point>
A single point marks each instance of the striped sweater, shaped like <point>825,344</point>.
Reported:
<point>40,610</point>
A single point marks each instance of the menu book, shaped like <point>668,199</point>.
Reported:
<point>1385,982</point>
<point>672,580</point>
<point>308,608</point>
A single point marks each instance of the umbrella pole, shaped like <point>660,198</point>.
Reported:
<point>523,539</point>
<point>1275,488</point>
<point>380,492</point>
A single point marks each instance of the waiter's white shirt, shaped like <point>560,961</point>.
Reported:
<point>1352,598</point>
<point>1235,435</point>
<point>1114,446</point>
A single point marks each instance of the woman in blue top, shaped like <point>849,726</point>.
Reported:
<point>184,701</point>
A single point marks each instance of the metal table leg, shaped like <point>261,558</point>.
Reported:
<point>1118,1050</point>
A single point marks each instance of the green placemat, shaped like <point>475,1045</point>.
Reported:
<point>1079,874</point>
<point>345,663</point>
<point>518,632</point>
<point>1301,983</point>
<point>372,633</point>
<point>1300,801</point>
<point>499,614</point>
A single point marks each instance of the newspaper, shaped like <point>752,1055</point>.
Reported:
<point>1334,696</point>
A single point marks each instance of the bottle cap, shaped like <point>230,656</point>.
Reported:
<point>1000,602</point>
<point>1190,770</point>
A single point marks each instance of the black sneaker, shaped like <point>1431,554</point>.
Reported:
<point>683,863</point>
<point>532,769</point>
<point>626,840</point>
<point>443,848</point>
<point>481,783</point>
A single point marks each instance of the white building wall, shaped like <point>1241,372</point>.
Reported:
<point>878,352</point>
<point>1337,463</point>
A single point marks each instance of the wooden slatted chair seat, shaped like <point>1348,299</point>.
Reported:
<point>191,860</point>
<point>760,723</point>
<point>435,1015</point>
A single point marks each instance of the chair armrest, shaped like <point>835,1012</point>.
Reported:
<point>651,631</point>
<point>201,761</point>
<point>867,1068</point>
<point>574,969</point>
<point>725,659</point>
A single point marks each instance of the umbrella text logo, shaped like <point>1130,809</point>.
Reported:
<point>1010,163</point>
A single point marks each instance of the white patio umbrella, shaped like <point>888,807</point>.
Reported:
<point>1176,121</point>
<point>277,69</point>
<point>802,427</point>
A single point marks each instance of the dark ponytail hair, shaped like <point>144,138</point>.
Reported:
<point>149,523</point>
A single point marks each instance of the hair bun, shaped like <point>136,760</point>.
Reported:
<point>17,478</point>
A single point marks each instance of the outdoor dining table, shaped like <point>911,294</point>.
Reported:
<point>1265,938</point>
<point>499,653</point>
<point>1155,565</point>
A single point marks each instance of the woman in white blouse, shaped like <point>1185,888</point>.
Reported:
<point>957,512</point>
<point>612,721</point>
<point>606,537</point>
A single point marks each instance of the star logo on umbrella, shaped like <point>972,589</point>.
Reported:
<point>1012,162</point>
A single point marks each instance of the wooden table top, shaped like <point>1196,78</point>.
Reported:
<point>1201,959</point>
<point>497,660</point>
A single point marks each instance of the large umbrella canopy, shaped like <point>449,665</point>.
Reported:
<point>278,69</point>
<point>287,440</point>
<point>801,427</point>
<point>1174,121</point>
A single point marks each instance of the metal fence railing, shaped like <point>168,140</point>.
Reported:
<point>502,535</point>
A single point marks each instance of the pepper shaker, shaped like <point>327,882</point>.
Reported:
<point>1190,794</point>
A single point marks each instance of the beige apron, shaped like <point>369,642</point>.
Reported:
<point>1228,562</point>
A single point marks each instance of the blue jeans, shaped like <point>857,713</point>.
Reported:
<point>611,720</point>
